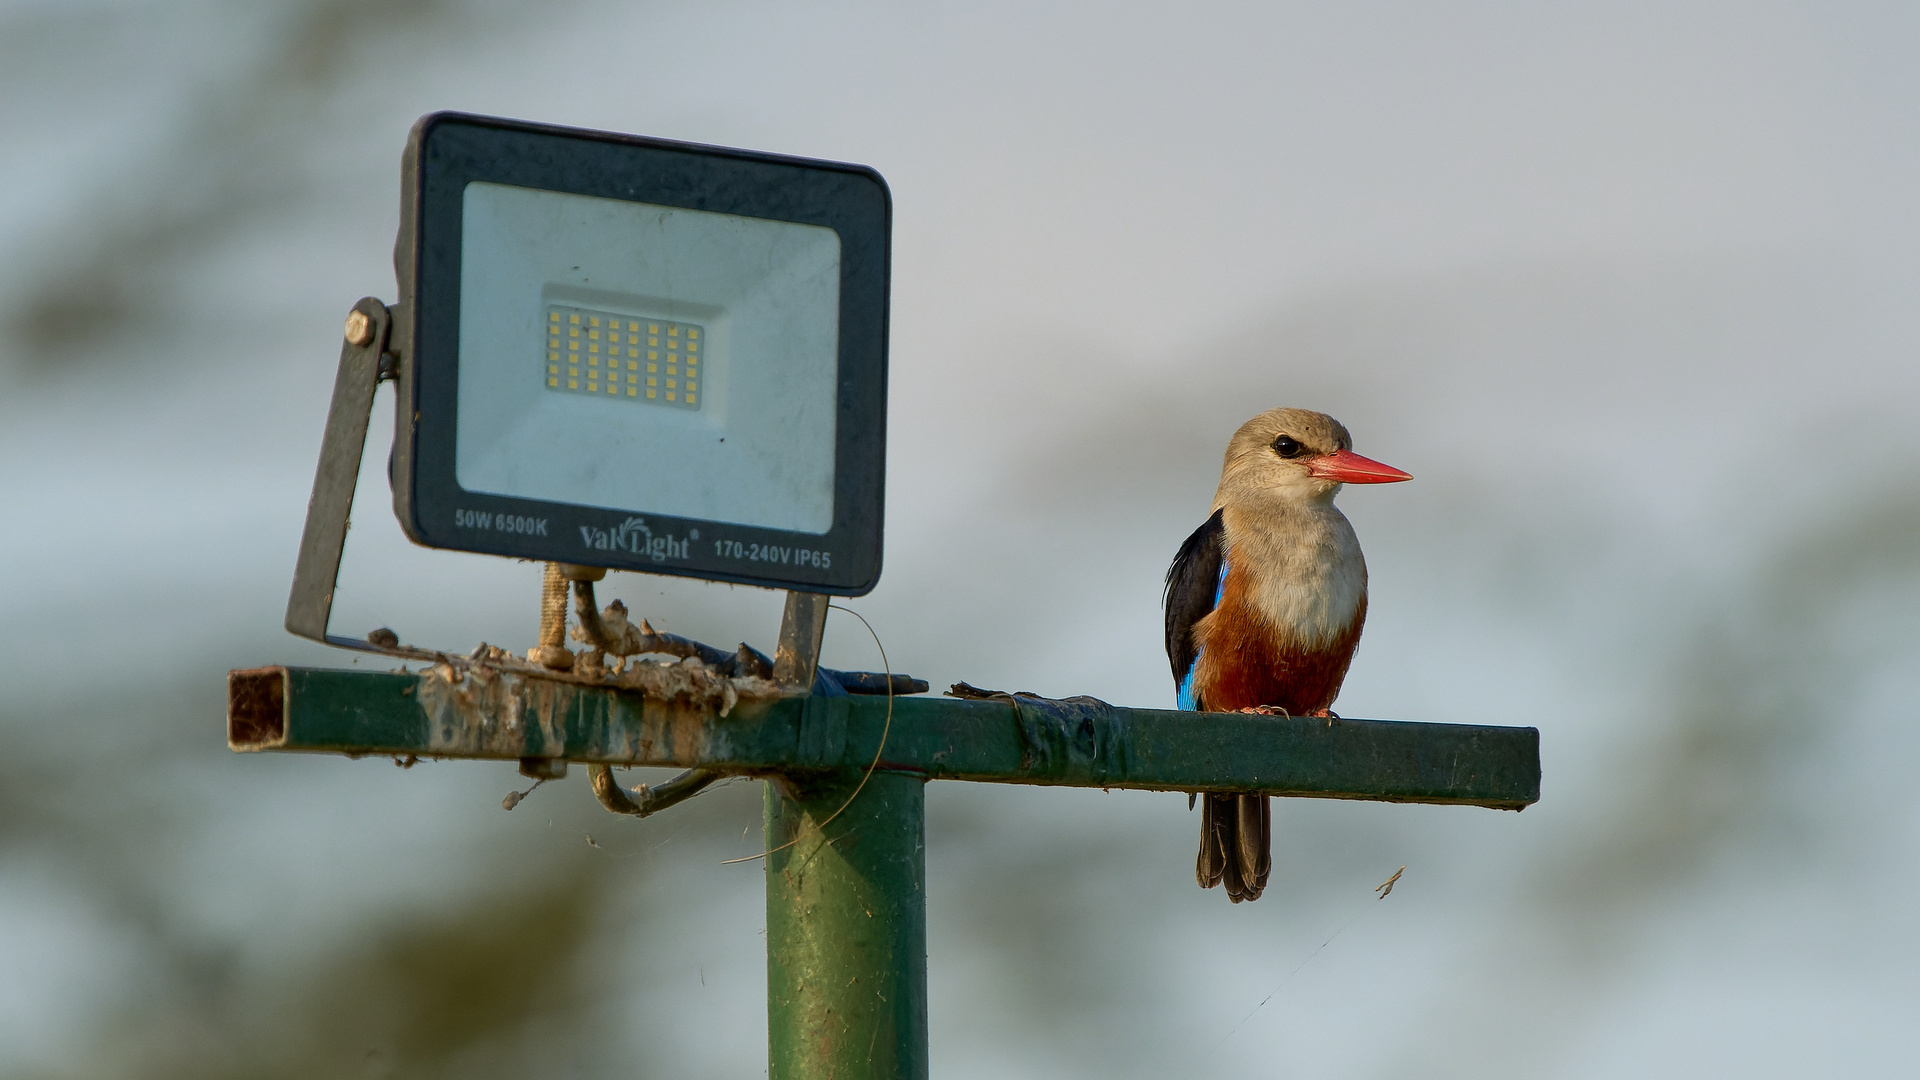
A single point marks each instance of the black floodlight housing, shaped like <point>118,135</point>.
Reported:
<point>642,355</point>
<point>621,352</point>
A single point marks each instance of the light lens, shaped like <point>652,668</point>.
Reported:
<point>727,326</point>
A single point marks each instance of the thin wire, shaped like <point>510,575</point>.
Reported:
<point>885,730</point>
<point>1388,887</point>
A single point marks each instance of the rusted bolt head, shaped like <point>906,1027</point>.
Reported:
<point>582,573</point>
<point>359,328</point>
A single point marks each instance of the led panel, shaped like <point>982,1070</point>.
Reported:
<point>645,355</point>
<point>655,361</point>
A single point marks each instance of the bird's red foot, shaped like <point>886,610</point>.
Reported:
<point>1265,710</point>
<point>1328,714</point>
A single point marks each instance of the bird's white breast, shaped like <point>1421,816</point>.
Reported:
<point>1304,566</point>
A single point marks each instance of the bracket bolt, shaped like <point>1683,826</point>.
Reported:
<point>359,329</point>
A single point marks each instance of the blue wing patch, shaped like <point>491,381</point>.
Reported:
<point>1186,702</point>
<point>1194,585</point>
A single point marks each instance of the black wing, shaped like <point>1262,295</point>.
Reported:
<point>1192,583</point>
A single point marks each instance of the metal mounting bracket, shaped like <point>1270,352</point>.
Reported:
<point>802,625</point>
<point>364,362</point>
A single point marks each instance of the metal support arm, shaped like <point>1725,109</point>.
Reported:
<point>1084,745</point>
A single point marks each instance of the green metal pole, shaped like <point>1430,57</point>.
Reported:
<point>847,928</point>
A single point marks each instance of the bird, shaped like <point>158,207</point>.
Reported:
<point>1264,606</point>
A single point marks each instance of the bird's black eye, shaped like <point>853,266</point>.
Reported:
<point>1287,446</point>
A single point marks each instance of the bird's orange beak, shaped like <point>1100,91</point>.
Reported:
<point>1350,468</point>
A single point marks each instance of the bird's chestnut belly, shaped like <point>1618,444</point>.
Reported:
<point>1244,664</point>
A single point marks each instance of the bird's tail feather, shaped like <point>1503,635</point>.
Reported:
<point>1215,826</point>
<point>1236,844</point>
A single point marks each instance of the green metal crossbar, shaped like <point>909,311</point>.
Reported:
<point>846,904</point>
<point>354,712</point>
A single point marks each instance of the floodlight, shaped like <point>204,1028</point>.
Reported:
<point>624,352</point>
<point>640,354</point>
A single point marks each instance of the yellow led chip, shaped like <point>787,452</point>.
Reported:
<point>593,322</point>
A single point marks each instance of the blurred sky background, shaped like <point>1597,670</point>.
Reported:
<point>1630,288</point>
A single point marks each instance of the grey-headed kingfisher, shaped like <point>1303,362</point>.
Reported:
<point>1264,606</point>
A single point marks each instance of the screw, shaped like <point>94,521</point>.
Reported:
<point>359,328</point>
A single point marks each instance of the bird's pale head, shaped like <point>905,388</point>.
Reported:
<point>1294,455</point>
